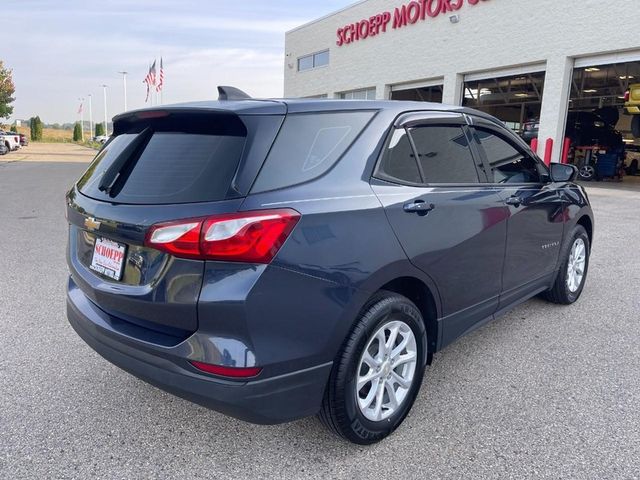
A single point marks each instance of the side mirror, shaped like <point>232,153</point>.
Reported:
<point>563,173</point>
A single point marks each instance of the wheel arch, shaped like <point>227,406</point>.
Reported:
<point>421,295</point>
<point>586,222</point>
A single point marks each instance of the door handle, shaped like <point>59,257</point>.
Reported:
<point>514,200</point>
<point>419,206</point>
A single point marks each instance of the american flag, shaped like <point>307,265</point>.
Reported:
<point>150,79</point>
<point>160,78</point>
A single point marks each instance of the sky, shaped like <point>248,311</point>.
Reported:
<point>62,51</point>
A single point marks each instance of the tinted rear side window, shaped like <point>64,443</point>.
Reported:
<point>398,161</point>
<point>308,146</point>
<point>444,155</point>
<point>177,164</point>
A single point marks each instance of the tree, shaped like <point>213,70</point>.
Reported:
<point>36,128</point>
<point>77,132</point>
<point>14,128</point>
<point>99,129</point>
<point>7,89</point>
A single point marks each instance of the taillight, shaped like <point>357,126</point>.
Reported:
<point>627,95</point>
<point>252,237</point>
<point>231,372</point>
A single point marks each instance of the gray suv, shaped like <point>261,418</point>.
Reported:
<point>274,259</point>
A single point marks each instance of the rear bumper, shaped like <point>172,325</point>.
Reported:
<point>263,401</point>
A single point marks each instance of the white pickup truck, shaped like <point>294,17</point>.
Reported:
<point>10,139</point>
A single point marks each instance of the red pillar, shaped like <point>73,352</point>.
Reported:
<point>534,145</point>
<point>565,150</point>
<point>548,151</point>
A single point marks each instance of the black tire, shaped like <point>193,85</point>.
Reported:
<point>635,126</point>
<point>340,411</point>
<point>560,292</point>
<point>611,115</point>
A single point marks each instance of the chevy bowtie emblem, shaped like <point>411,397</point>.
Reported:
<point>91,223</point>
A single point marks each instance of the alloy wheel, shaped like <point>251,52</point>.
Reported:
<point>576,265</point>
<point>587,172</point>
<point>386,371</point>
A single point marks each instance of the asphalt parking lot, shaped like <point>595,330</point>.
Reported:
<point>543,392</point>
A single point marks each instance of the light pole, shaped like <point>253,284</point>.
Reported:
<point>106,125</point>
<point>91,132</point>
<point>81,119</point>
<point>124,84</point>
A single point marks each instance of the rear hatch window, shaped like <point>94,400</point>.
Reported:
<point>167,159</point>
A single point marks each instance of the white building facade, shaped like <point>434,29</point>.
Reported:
<point>521,53</point>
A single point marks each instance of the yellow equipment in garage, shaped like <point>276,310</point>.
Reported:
<point>632,106</point>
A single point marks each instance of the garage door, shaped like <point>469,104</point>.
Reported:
<point>599,128</point>
<point>423,91</point>
<point>513,95</point>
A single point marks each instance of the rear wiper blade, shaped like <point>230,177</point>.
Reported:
<point>122,161</point>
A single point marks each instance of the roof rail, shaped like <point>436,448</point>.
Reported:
<point>231,93</point>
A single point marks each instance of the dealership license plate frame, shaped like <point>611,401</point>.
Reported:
<point>102,264</point>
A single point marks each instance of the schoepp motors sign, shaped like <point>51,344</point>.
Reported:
<point>408,14</point>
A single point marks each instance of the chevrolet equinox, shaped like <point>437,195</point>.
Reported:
<point>275,259</point>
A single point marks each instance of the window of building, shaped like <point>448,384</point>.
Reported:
<point>508,164</point>
<point>362,94</point>
<point>315,60</point>
<point>321,59</point>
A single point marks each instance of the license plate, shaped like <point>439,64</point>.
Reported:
<point>108,258</point>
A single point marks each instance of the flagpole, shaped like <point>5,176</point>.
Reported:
<point>82,122</point>
<point>81,119</point>
<point>150,86</point>
<point>146,80</point>
<point>124,84</point>
<point>155,86</point>
<point>91,131</point>
<point>106,124</point>
<point>154,99</point>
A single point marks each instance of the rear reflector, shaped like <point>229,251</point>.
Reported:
<point>231,372</point>
<point>252,237</point>
<point>627,95</point>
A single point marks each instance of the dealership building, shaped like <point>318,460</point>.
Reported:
<point>526,62</point>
